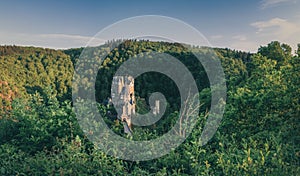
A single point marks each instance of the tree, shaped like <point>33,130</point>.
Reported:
<point>298,50</point>
<point>276,51</point>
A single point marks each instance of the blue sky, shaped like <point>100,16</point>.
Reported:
<point>243,25</point>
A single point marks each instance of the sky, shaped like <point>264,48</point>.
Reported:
<point>236,24</point>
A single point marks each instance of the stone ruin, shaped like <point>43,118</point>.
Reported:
<point>124,102</point>
<point>124,99</point>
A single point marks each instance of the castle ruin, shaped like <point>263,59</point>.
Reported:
<point>124,102</point>
<point>124,99</point>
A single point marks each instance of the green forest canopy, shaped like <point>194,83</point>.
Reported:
<point>259,133</point>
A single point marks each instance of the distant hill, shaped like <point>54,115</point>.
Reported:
<point>33,69</point>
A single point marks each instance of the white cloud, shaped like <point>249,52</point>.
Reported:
<point>65,36</point>
<point>271,3</point>
<point>278,29</point>
<point>57,41</point>
<point>71,40</point>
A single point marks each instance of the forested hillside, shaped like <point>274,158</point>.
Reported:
<point>33,69</point>
<point>259,133</point>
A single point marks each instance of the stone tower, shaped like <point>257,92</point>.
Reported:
<point>124,99</point>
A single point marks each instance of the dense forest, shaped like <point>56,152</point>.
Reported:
<point>259,133</point>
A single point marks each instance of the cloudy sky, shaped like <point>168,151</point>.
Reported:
<point>237,24</point>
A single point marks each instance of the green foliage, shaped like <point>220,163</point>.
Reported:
<point>33,69</point>
<point>259,134</point>
<point>276,51</point>
<point>37,124</point>
<point>298,50</point>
